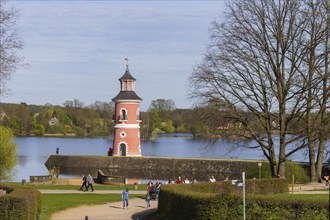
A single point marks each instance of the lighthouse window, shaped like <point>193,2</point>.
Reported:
<point>123,134</point>
<point>123,115</point>
<point>124,86</point>
<point>129,86</point>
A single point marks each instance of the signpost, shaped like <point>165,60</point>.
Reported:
<point>241,183</point>
<point>243,177</point>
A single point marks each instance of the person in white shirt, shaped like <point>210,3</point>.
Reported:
<point>212,179</point>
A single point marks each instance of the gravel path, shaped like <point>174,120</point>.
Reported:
<point>111,211</point>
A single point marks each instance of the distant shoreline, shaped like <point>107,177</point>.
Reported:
<point>59,135</point>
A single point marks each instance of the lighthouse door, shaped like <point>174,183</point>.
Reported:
<point>122,150</point>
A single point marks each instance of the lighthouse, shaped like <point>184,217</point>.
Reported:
<point>126,140</point>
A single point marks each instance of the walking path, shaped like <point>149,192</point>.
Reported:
<point>311,188</point>
<point>111,211</point>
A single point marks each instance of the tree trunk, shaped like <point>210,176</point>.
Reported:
<point>319,161</point>
<point>312,172</point>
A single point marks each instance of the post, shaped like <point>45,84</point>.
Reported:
<point>243,177</point>
<point>259,165</point>
<point>292,183</point>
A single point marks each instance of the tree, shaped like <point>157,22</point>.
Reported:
<point>256,65</point>
<point>7,153</point>
<point>318,14</point>
<point>160,110</point>
<point>155,123</point>
<point>163,107</point>
<point>10,43</point>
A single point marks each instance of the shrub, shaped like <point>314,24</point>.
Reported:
<point>56,129</point>
<point>291,168</point>
<point>296,169</point>
<point>224,201</point>
<point>263,186</point>
<point>12,207</point>
<point>20,203</point>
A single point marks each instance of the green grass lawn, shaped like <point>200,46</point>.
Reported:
<point>75,187</point>
<point>52,203</point>
<point>96,187</point>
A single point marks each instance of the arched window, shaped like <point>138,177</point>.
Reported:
<point>123,115</point>
<point>122,149</point>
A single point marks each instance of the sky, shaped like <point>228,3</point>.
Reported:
<point>76,49</point>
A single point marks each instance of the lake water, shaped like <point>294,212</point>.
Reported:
<point>33,152</point>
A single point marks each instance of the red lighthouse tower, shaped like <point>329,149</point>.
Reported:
<point>126,140</point>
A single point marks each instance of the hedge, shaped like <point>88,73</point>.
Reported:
<point>263,186</point>
<point>224,201</point>
<point>19,203</point>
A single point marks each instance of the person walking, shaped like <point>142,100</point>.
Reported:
<point>148,198</point>
<point>125,198</point>
<point>150,186</point>
<point>84,184</point>
<point>158,185</point>
<point>326,181</point>
<point>90,182</point>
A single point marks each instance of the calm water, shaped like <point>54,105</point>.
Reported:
<point>32,152</point>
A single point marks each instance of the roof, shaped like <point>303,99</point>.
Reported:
<point>127,75</point>
<point>126,95</point>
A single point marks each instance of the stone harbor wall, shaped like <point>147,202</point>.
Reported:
<point>151,167</point>
<point>41,179</point>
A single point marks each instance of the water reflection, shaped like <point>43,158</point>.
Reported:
<point>22,160</point>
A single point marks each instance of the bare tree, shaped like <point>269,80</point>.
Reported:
<point>255,65</point>
<point>163,105</point>
<point>10,43</point>
<point>323,97</point>
<point>315,80</point>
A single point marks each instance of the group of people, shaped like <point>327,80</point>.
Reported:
<point>181,181</point>
<point>152,193</point>
<point>87,182</point>
<point>188,181</point>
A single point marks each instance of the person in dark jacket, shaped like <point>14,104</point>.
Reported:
<point>84,184</point>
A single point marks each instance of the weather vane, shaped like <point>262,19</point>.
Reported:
<point>126,58</point>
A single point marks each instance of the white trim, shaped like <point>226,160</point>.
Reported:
<point>134,155</point>
<point>127,126</point>
<point>129,101</point>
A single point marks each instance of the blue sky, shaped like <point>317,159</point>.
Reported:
<point>76,49</point>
